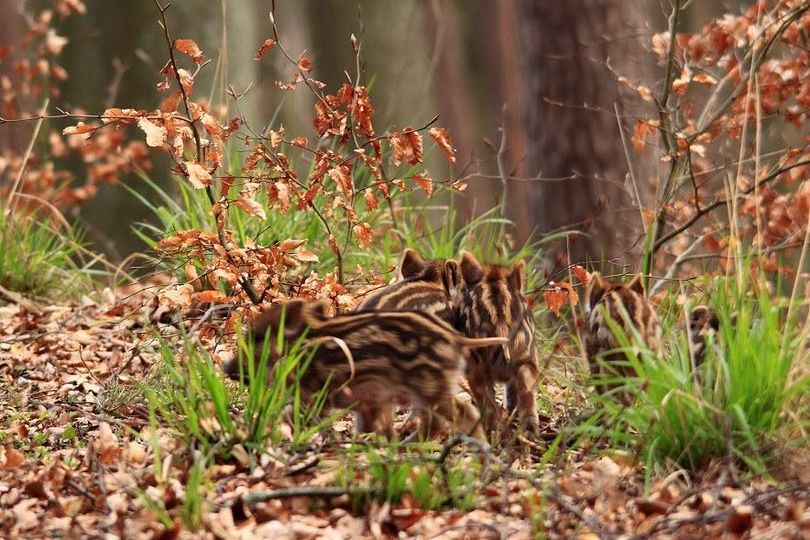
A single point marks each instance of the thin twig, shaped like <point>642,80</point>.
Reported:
<point>679,261</point>
<point>26,156</point>
<point>723,202</point>
<point>244,280</point>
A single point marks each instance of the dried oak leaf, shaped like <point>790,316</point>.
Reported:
<point>264,47</point>
<point>189,47</point>
<point>155,134</point>
<point>442,138</point>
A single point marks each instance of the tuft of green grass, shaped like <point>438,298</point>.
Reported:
<point>734,405</point>
<point>38,260</point>
<point>192,396</point>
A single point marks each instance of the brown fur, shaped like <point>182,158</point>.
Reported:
<point>628,307</point>
<point>396,358</point>
<point>492,303</point>
<point>703,322</point>
<point>426,285</point>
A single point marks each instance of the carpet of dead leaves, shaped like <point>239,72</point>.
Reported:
<point>76,461</point>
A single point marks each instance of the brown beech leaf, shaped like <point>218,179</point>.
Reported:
<point>291,244</point>
<point>122,116</point>
<point>10,457</point>
<point>305,255</point>
<point>640,131</point>
<point>78,129</point>
<point>333,245</point>
<point>186,80</point>
<point>283,196</point>
<point>213,297</point>
<point>276,138</point>
<point>424,182</point>
<point>407,146</point>
<point>363,234</point>
<point>189,47</point>
<point>155,134</point>
<point>54,43</point>
<point>371,199</point>
<point>264,47</point>
<point>581,273</point>
<point>197,175</point>
<point>342,176</point>
<point>250,206</point>
<point>459,185</point>
<point>442,138</point>
<point>558,295</point>
<point>363,111</point>
<point>105,444</point>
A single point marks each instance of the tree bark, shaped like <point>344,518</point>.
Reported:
<point>13,137</point>
<point>571,125</point>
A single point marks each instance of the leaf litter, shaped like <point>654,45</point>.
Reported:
<point>79,457</point>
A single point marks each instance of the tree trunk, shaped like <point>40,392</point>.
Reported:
<point>571,125</point>
<point>13,137</point>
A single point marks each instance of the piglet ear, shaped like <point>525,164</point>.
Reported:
<point>636,284</point>
<point>471,270</point>
<point>516,277</point>
<point>451,277</point>
<point>411,264</point>
<point>318,310</point>
<point>696,316</point>
<point>294,314</point>
<point>595,289</point>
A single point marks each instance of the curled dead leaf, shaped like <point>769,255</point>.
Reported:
<point>559,294</point>
<point>442,138</point>
<point>189,47</point>
<point>155,134</point>
<point>10,457</point>
<point>213,297</point>
<point>424,182</point>
<point>250,206</point>
<point>264,47</point>
<point>197,175</point>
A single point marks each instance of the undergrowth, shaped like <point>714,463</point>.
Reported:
<point>38,260</point>
<point>735,405</point>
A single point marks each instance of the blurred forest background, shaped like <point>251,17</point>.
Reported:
<point>545,71</point>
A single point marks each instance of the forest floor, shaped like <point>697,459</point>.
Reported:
<point>80,457</point>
